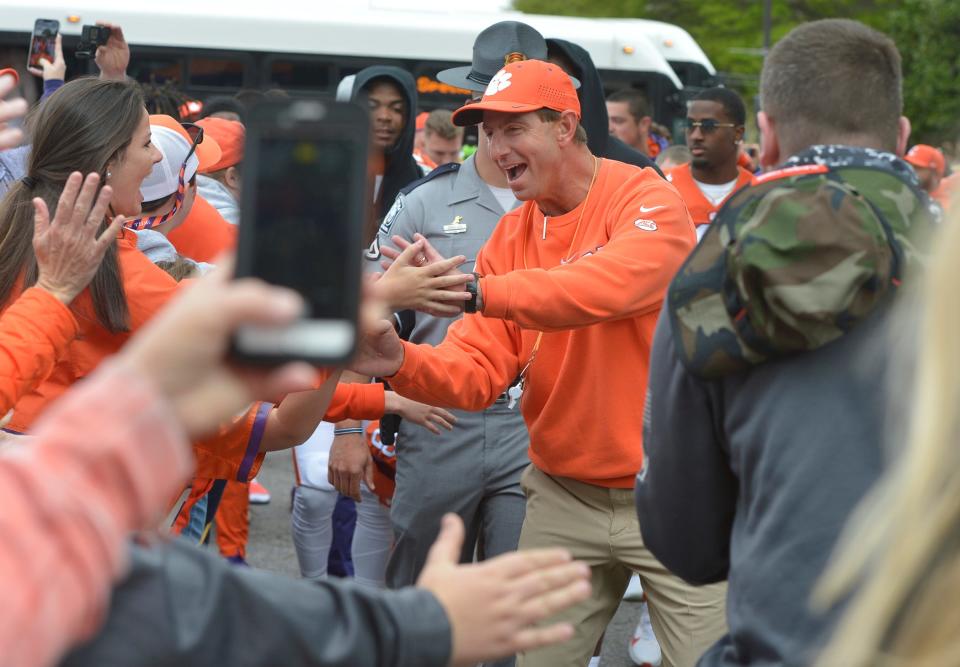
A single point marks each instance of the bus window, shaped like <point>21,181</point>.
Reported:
<point>288,73</point>
<point>157,69</point>
<point>210,72</point>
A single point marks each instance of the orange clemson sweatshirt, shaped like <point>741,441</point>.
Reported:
<point>595,293</point>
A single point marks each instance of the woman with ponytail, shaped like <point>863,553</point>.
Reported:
<point>98,127</point>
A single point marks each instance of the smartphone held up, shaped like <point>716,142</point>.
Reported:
<point>303,207</point>
<point>43,42</point>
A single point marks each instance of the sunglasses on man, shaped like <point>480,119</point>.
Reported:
<point>706,126</point>
<point>196,134</point>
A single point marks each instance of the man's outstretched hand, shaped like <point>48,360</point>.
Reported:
<point>379,350</point>
<point>494,606</point>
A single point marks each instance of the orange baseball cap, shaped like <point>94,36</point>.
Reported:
<point>229,135</point>
<point>207,152</point>
<point>521,87</point>
<point>926,157</point>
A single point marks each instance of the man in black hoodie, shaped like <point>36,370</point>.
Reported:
<point>391,96</point>
<point>765,415</point>
<point>576,62</point>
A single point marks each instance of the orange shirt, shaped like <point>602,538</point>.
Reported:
<point>597,303</point>
<point>232,453</point>
<point>35,332</point>
<point>356,400</point>
<point>701,210</point>
<point>148,289</point>
<point>205,234</point>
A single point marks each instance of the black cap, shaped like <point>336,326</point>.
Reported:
<point>496,46</point>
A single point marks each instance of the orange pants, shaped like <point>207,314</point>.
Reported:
<point>232,518</point>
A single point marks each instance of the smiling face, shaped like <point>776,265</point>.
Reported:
<point>129,168</point>
<point>526,149</point>
<point>717,148</point>
<point>387,113</point>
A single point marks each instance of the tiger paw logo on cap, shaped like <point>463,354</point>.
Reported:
<point>500,81</point>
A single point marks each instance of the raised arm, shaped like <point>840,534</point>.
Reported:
<point>38,326</point>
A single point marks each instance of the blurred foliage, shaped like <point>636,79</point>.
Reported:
<point>927,33</point>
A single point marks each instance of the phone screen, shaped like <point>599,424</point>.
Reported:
<point>43,43</point>
<point>303,209</point>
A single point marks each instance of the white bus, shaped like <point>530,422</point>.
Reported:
<point>209,47</point>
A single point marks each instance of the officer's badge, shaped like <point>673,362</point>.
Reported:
<point>455,227</point>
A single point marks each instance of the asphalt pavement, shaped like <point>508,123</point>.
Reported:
<point>271,548</point>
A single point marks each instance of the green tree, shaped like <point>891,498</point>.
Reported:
<point>927,33</point>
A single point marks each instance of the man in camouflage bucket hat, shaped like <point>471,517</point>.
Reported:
<point>764,422</point>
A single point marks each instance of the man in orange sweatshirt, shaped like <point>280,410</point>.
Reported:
<point>568,291</point>
<point>715,119</point>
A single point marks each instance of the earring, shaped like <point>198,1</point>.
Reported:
<point>108,175</point>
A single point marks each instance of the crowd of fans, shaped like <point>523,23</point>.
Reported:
<point>592,364</point>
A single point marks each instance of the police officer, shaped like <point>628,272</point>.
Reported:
<point>474,469</point>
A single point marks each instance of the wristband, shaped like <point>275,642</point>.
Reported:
<point>347,431</point>
<point>472,288</point>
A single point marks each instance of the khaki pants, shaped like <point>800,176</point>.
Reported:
<point>599,526</point>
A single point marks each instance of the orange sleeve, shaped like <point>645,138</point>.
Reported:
<point>34,334</point>
<point>355,400</point>
<point>233,453</point>
<point>477,360</point>
<point>627,277</point>
<point>205,234</point>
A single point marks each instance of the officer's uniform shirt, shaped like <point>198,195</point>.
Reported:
<point>456,211</point>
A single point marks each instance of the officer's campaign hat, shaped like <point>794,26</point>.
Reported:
<point>496,46</point>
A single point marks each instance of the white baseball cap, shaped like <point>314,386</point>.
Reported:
<point>174,143</point>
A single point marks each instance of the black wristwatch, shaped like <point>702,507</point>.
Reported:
<point>470,306</point>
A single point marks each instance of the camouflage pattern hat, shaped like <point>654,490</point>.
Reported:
<point>788,265</point>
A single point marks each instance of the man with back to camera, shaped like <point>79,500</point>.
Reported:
<point>568,291</point>
<point>715,119</point>
<point>767,411</point>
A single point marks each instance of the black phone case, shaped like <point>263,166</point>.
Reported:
<point>279,118</point>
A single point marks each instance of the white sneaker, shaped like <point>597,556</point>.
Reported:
<point>634,592</point>
<point>644,649</point>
